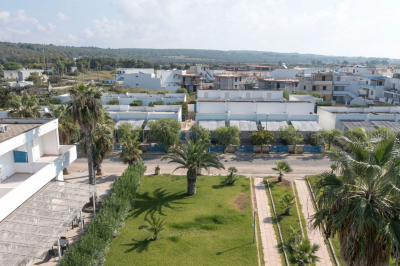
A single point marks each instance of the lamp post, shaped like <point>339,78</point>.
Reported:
<point>254,224</point>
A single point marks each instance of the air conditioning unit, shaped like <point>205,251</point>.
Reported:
<point>3,128</point>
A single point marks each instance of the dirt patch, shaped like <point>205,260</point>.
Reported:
<point>240,202</point>
<point>284,182</point>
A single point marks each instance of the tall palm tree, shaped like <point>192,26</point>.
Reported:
<point>301,250</point>
<point>102,140</point>
<point>282,167</point>
<point>24,106</point>
<point>362,205</point>
<point>130,149</point>
<point>66,125</point>
<point>85,110</point>
<point>192,158</point>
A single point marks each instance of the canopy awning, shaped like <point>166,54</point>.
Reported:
<point>147,125</point>
<point>306,125</point>
<point>244,125</point>
<point>273,125</point>
<point>352,124</point>
<point>212,125</point>
<point>393,125</point>
<point>136,123</point>
<point>33,228</point>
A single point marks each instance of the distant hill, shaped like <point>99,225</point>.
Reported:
<point>14,52</point>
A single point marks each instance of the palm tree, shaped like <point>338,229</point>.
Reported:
<point>66,126</point>
<point>301,250</point>
<point>102,140</point>
<point>362,205</point>
<point>130,149</point>
<point>24,106</point>
<point>282,167</point>
<point>231,178</point>
<point>155,226</point>
<point>192,158</point>
<point>85,110</point>
<point>287,201</point>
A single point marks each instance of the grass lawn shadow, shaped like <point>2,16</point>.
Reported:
<point>157,200</point>
<point>222,252</point>
<point>138,245</point>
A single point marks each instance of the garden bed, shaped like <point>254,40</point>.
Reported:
<point>213,227</point>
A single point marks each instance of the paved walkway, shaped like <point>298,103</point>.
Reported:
<point>268,237</point>
<point>314,235</point>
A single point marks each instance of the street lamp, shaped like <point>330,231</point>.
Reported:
<point>254,224</point>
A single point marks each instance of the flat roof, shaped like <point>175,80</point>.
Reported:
<point>306,125</point>
<point>17,126</point>
<point>273,125</point>
<point>244,125</point>
<point>393,125</point>
<point>291,102</point>
<point>212,124</point>
<point>352,124</point>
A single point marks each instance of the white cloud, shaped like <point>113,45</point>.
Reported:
<point>62,16</point>
<point>20,17</point>
<point>86,33</point>
<point>41,28</point>
<point>69,39</point>
<point>4,17</point>
<point>51,26</point>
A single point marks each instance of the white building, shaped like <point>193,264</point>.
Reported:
<point>349,89</point>
<point>163,80</point>
<point>344,118</point>
<point>205,72</point>
<point>306,97</point>
<point>18,83</point>
<point>36,205</point>
<point>287,84</point>
<point>145,113</point>
<point>21,74</point>
<point>10,74</point>
<point>240,95</point>
<point>230,81</point>
<point>120,72</point>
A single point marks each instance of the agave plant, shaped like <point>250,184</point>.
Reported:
<point>154,225</point>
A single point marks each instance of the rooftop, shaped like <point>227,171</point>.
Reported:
<point>378,110</point>
<point>266,102</point>
<point>17,126</point>
<point>322,74</point>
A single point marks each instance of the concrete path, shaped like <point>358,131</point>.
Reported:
<point>268,237</point>
<point>314,235</point>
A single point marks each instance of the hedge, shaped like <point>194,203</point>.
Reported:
<point>136,103</point>
<point>92,246</point>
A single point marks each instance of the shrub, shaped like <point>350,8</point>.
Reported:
<point>55,101</point>
<point>289,135</point>
<point>232,177</point>
<point>300,92</point>
<point>113,102</point>
<point>286,95</point>
<point>326,103</point>
<point>262,137</point>
<point>316,94</point>
<point>357,106</point>
<point>200,133</point>
<point>136,103</point>
<point>228,136</point>
<point>192,102</point>
<point>54,79</point>
<point>315,138</point>
<point>181,90</point>
<point>151,104</point>
<point>91,248</point>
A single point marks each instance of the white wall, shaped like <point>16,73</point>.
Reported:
<point>7,165</point>
<point>50,143</point>
<point>147,81</point>
<point>283,73</point>
<point>233,95</point>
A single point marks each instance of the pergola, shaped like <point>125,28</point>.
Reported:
<point>244,125</point>
<point>212,124</point>
<point>306,126</point>
<point>34,227</point>
<point>273,125</point>
<point>136,123</point>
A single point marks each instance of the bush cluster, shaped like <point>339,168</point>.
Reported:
<point>91,248</point>
<point>136,103</point>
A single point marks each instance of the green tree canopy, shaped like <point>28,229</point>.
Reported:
<point>290,136</point>
<point>316,94</point>
<point>228,136</point>
<point>37,80</point>
<point>201,133</point>
<point>262,137</point>
<point>12,66</point>
<point>286,95</point>
<point>24,106</point>
<point>331,136</point>
<point>165,131</point>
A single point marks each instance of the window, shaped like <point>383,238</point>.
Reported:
<point>137,84</point>
<point>373,72</point>
<point>323,78</point>
<point>240,79</point>
<point>314,88</point>
<point>324,88</point>
<point>367,82</point>
<point>354,71</point>
<point>20,157</point>
<point>235,79</point>
<point>305,87</point>
<point>372,93</point>
<point>137,76</point>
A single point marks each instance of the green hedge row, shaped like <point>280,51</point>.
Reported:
<point>92,246</point>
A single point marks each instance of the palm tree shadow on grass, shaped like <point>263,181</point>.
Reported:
<point>157,201</point>
<point>138,245</point>
<point>222,252</point>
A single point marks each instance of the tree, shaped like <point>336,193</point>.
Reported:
<point>193,158</point>
<point>155,226</point>
<point>12,66</point>
<point>126,130</point>
<point>315,138</point>
<point>24,107</point>
<point>200,133</point>
<point>300,92</point>
<point>102,140</point>
<point>232,177</point>
<point>282,167</point>
<point>345,62</point>
<point>165,131</point>
<point>287,201</point>
<point>301,251</point>
<point>136,103</point>
<point>37,80</point>
<point>67,127</point>
<point>331,136</point>
<point>86,110</point>
<point>316,94</point>
<point>286,95</point>
<point>262,137</point>
<point>130,149</point>
<point>357,134</point>
<point>360,205</point>
<point>290,136</point>
<point>228,136</point>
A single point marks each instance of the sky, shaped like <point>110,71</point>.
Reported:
<point>342,27</point>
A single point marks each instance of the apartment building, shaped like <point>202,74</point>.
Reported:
<point>287,84</point>
<point>319,82</point>
<point>205,72</point>
<point>21,74</point>
<point>163,80</point>
<point>191,82</point>
<point>37,205</point>
<point>240,95</point>
<point>230,81</point>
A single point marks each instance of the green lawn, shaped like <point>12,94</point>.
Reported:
<point>213,227</point>
<point>278,189</point>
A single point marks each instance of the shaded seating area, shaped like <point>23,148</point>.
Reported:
<point>35,227</point>
<point>212,125</point>
<point>245,127</point>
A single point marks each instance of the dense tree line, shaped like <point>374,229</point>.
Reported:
<point>15,52</point>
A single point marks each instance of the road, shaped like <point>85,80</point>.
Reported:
<point>246,163</point>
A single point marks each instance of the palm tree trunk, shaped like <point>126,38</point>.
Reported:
<point>89,152</point>
<point>65,171</point>
<point>98,169</point>
<point>280,177</point>
<point>191,181</point>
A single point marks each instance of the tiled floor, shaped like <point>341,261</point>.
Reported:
<point>268,237</point>
<point>314,235</point>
